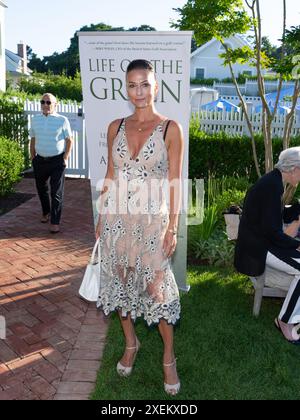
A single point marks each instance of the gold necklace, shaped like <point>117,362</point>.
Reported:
<point>140,129</point>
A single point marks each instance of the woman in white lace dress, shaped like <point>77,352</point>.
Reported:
<point>137,230</point>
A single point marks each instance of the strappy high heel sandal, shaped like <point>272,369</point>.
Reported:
<point>126,371</point>
<point>293,337</point>
<point>171,389</point>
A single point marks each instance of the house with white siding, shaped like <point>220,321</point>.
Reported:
<point>16,64</point>
<point>206,62</point>
<point>2,47</point>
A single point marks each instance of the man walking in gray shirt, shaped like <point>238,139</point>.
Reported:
<point>50,147</point>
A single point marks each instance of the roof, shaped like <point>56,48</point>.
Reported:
<point>14,63</point>
<point>242,41</point>
<point>2,4</point>
<point>14,57</point>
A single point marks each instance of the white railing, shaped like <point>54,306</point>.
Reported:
<point>235,100</point>
<point>255,100</point>
<point>234,123</point>
<point>250,87</point>
<point>78,160</point>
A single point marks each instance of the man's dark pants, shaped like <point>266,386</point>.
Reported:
<point>53,168</point>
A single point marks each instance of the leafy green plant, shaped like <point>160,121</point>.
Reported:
<point>11,165</point>
<point>62,86</point>
<point>226,191</point>
<point>209,224</point>
<point>227,199</point>
<point>14,124</point>
<point>217,250</point>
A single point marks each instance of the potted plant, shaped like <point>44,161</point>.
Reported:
<point>232,219</point>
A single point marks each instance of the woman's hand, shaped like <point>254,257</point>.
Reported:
<point>292,228</point>
<point>170,243</point>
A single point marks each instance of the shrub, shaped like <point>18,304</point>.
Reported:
<point>228,199</point>
<point>62,86</point>
<point>216,250</point>
<point>204,82</point>
<point>14,123</point>
<point>11,165</point>
<point>225,155</point>
<point>216,187</point>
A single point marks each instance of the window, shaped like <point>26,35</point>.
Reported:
<point>200,74</point>
<point>247,73</point>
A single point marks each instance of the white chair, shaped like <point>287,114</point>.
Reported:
<point>259,283</point>
<point>261,290</point>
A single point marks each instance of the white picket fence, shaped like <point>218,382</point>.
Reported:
<point>232,123</point>
<point>78,160</point>
<point>235,123</point>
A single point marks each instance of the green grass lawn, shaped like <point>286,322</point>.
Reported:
<point>222,351</point>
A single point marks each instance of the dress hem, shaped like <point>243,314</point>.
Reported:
<point>138,316</point>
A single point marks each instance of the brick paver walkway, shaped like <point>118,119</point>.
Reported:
<point>54,341</point>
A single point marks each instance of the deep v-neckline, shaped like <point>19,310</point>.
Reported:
<point>145,142</point>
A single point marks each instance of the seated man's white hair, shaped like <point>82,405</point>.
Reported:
<point>289,159</point>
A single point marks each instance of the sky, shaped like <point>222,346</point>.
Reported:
<point>48,26</point>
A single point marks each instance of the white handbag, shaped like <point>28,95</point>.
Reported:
<point>90,286</point>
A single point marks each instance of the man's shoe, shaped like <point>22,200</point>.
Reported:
<point>45,218</point>
<point>54,229</point>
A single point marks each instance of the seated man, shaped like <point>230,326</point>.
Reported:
<point>262,242</point>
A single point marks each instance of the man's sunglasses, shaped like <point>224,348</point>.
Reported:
<point>46,102</point>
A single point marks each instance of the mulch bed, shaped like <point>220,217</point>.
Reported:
<point>13,200</point>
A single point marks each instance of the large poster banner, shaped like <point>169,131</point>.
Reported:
<point>104,57</point>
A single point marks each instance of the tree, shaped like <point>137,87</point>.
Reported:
<point>67,62</point>
<point>34,62</point>
<point>289,67</point>
<point>221,19</point>
<point>271,51</point>
<point>142,28</point>
<point>195,46</point>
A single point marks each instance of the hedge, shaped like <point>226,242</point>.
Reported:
<point>11,165</point>
<point>223,155</point>
<point>63,87</point>
<point>14,124</point>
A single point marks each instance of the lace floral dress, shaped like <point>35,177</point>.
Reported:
<point>136,277</point>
